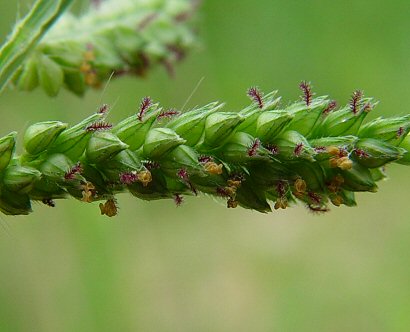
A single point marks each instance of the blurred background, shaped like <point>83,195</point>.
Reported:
<point>202,267</point>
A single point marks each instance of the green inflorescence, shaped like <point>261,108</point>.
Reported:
<point>309,151</point>
<point>116,37</point>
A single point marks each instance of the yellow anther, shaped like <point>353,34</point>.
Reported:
<point>335,184</point>
<point>145,177</point>
<point>334,162</point>
<point>298,194</point>
<point>230,191</point>
<point>333,187</point>
<point>281,203</point>
<point>109,208</point>
<point>88,192</point>
<point>87,196</point>
<point>338,179</point>
<point>85,67</point>
<point>300,186</point>
<point>333,150</point>
<point>213,168</point>
<point>89,55</point>
<point>91,79</point>
<point>345,163</point>
<point>232,203</point>
<point>234,183</point>
<point>337,200</point>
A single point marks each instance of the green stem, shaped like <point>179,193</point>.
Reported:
<point>27,34</point>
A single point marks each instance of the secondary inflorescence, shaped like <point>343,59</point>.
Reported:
<point>111,39</point>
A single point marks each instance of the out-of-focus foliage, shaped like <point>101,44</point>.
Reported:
<point>110,38</point>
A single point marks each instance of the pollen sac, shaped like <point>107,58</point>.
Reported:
<point>293,146</point>
<point>109,208</point>
<point>155,189</point>
<point>281,203</point>
<point>7,146</point>
<point>373,153</point>
<point>93,177</point>
<point>271,123</point>
<point>160,141</point>
<point>88,192</point>
<point>300,185</point>
<point>213,168</point>
<point>40,136</point>
<point>219,127</point>
<point>20,179</point>
<point>328,147</point>
<point>190,125</point>
<point>231,203</point>
<point>102,146</point>
<point>145,177</point>
<point>392,130</point>
<point>344,163</point>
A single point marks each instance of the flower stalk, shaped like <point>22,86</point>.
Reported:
<point>309,152</point>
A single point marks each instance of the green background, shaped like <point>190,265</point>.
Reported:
<point>202,267</point>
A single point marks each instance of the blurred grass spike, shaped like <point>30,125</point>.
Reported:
<point>116,37</point>
<point>23,40</point>
<point>151,159</point>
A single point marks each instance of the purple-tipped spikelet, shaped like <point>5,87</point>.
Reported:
<point>307,92</point>
<point>256,96</point>
<point>103,109</point>
<point>253,149</point>
<point>355,101</point>
<point>99,126</point>
<point>167,114</point>
<point>178,199</point>
<point>309,152</point>
<point>330,107</point>
<point>146,103</point>
<point>73,171</point>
